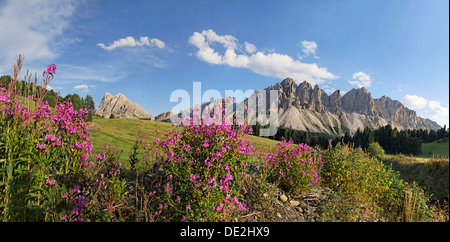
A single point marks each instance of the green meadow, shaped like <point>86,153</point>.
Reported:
<point>123,132</point>
<point>437,149</point>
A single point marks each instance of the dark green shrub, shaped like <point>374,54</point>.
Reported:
<point>376,150</point>
<point>374,186</point>
<point>90,116</point>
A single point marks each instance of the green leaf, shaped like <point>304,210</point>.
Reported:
<point>21,170</point>
<point>27,152</point>
<point>32,195</point>
<point>37,188</point>
<point>31,205</point>
<point>19,161</point>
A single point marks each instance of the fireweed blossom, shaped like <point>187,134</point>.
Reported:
<point>232,106</point>
<point>202,165</point>
<point>51,182</point>
<point>51,69</point>
<point>56,146</point>
<point>294,167</point>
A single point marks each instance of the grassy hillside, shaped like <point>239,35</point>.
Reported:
<point>436,149</point>
<point>122,133</point>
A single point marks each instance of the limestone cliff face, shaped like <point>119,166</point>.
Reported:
<point>359,101</point>
<point>121,107</point>
<point>335,103</point>
<point>310,109</point>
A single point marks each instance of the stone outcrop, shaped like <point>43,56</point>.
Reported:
<point>164,117</point>
<point>121,107</point>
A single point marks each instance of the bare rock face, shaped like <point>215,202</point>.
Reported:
<point>335,103</point>
<point>286,93</point>
<point>303,93</point>
<point>164,117</point>
<point>359,101</point>
<point>121,107</point>
<point>319,100</point>
<point>305,108</point>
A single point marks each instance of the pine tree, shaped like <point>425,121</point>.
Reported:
<point>89,102</point>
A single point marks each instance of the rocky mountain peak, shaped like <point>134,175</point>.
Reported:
<point>309,108</point>
<point>305,84</point>
<point>335,104</point>
<point>288,82</point>
<point>359,101</point>
<point>121,107</point>
<point>336,94</point>
<point>107,96</point>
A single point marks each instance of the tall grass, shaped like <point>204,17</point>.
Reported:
<point>366,187</point>
<point>431,174</point>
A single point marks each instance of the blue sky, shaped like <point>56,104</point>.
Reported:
<point>147,49</point>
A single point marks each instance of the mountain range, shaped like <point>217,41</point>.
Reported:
<point>306,108</point>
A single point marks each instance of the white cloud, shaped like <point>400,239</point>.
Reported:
<point>429,109</point>
<point>250,48</point>
<point>414,102</point>
<point>361,79</point>
<point>35,29</point>
<point>436,106</point>
<point>159,43</point>
<point>267,64</point>
<point>82,88</point>
<point>309,48</point>
<point>96,72</point>
<point>328,89</point>
<point>439,113</point>
<point>129,41</point>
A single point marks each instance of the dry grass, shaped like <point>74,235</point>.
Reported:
<point>430,174</point>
